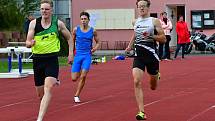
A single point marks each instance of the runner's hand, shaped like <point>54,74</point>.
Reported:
<point>128,49</point>
<point>31,43</point>
<point>70,59</point>
<point>93,50</point>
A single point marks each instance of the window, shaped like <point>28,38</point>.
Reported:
<point>154,15</point>
<point>111,18</point>
<point>202,19</point>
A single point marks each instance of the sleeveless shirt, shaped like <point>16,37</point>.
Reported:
<point>83,43</point>
<point>145,46</point>
<point>47,40</point>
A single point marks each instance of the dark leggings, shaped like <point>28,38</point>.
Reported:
<point>166,54</point>
<point>160,51</point>
<point>166,46</point>
<point>178,48</point>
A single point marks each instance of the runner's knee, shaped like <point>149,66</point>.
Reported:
<point>74,78</point>
<point>83,77</point>
<point>49,82</point>
<point>137,83</point>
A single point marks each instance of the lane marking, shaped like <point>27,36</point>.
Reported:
<point>78,105</point>
<point>12,104</point>
<point>201,113</point>
<point>177,94</point>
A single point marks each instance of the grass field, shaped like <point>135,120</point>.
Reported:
<point>29,65</point>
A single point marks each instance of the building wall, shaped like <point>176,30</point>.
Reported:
<point>160,5</point>
<point>105,35</point>
<point>169,5</point>
<point>156,7</point>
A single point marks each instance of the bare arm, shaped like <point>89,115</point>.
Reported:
<point>131,43</point>
<point>132,39</point>
<point>160,37</point>
<point>29,41</point>
<point>68,37</point>
<point>74,37</point>
<point>96,39</point>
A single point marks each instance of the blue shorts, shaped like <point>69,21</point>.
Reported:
<point>81,62</point>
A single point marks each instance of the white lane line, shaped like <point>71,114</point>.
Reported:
<point>78,105</point>
<point>92,101</point>
<point>178,94</point>
<point>12,104</point>
<point>201,113</point>
<point>84,103</point>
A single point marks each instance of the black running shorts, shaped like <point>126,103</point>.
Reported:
<point>45,67</point>
<point>151,66</point>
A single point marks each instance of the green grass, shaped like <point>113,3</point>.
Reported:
<point>29,65</point>
<point>63,61</point>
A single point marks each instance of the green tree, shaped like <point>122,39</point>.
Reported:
<point>13,13</point>
<point>29,6</point>
<point>9,14</point>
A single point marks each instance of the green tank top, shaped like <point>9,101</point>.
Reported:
<point>47,40</point>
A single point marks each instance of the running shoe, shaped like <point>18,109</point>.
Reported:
<point>158,76</point>
<point>77,99</point>
<point>141,116</point>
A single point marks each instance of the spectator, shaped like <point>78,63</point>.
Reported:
<point>167,27</point>
<point>183,36</point>
<point>27,22</point>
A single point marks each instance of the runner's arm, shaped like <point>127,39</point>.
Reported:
<point>96,39</point>
<point>30,36</point>
<point>74,36</point>
<point>160,36</point>
<point>131,43</point>
<point>68,37</point>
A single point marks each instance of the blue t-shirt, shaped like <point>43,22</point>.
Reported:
<point>83,44</point>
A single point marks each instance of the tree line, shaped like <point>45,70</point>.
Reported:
<point>14,12</point>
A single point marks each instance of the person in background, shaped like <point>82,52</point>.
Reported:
<point>27,22</point>
<point>160,45</point>
<point>43,38</point>
<point>183,36</point>
<point>83,37</point>
<point>147,31</point>
<point>167,27</point>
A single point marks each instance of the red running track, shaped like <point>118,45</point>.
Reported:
<point>185,93</point>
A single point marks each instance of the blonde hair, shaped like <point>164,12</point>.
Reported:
<point>47,1</point>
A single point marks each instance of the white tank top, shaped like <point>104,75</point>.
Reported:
<point>141,26</point>
<point>145,46</point>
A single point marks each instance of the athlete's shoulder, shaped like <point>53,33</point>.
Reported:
<point>59,22</point>
<point>33,21</point>
<point>74,29</point>
<point>155,20</point>
<point>134,21</point>
<point>32,24</point>
<point>60,25</point>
